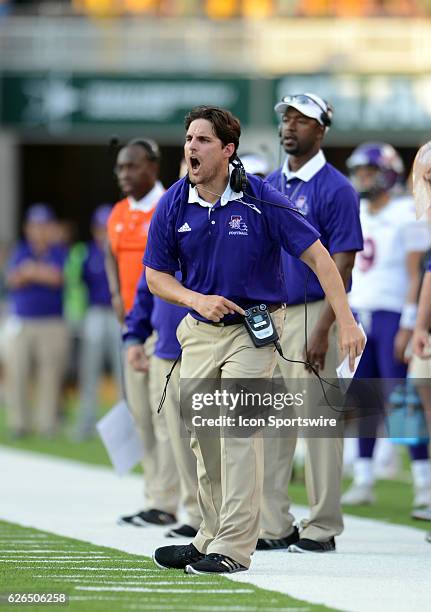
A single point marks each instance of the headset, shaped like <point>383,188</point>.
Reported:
<point>238,179</point>
<point>327,113</point>
<point>150,146</point>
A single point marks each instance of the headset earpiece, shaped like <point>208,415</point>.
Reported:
<point>327,115</point>
<point>238,178</point>
<point>150,147</point>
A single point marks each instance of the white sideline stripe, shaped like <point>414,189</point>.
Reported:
<point>97,598</point>
<point>224,608</point>
<point>113,569</point>
<point>43,560</point>
<point>145,590</point>
<point>46,550</point>
<point>378,567</point>
<point>65,558</point>
<point>28,539</point>
<point>147,573</point>
<point>134,582</point>
<point>176,608</point>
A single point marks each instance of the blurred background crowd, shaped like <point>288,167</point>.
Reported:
<point>228,9</point>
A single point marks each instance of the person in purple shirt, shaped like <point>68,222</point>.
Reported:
<point>175,457</point>
<point>225,230</point>
<point>327,200</point>
<point>101,338</point>
<point>37,338</point>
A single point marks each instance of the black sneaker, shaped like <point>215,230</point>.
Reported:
<point>274,544</point>
<point>215,563</point>
<point>183,531</point>
<point>176,557</point>
<point>148,517</point>
<point>304,545</point>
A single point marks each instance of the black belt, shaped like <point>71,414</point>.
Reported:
<point>239,319</point>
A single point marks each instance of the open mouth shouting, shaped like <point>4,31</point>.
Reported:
<point>195,164</point>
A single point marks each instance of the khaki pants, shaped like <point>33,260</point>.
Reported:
<point>324,456</point>
<point>169,426</point>
<point>40,345</point>
<point>157,450</point>
<point>230,470</point>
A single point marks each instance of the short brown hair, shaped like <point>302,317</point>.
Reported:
<point>225,125</point>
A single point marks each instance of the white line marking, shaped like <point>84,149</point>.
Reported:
<point>66,565</point>
<point>224,608</point>
<point>15,551</point>
<point>63,557</point>
<point>76,574</point>
<point>28,540</point>
<point>54,560</point>
<point>144,590</point>
<point>112,569</point>
<point>94,577</point>
<point>178,608</point>
<point>142,582</point>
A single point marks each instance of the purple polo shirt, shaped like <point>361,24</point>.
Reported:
<point>94,276</point>
<point>331,205</point>
<point>150,314</point>
<point>37,300</point>
<point>232,250</point>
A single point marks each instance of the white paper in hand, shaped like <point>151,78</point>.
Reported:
<point>343,371</point>
<point>122,442</point>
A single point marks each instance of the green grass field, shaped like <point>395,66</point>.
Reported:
<point>97,579</point>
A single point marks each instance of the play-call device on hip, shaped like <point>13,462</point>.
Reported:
<point>258,322</point>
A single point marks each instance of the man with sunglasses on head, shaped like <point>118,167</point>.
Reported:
<point>329,203</point>
<point>225,230</point>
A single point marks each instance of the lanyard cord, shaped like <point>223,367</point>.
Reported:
<point>168,377</point>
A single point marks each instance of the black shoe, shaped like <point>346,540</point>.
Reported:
<point>215,563</point>
<point>148,517</point>
<point>184,531</point>
<point>268,544</point>
<point>176,557</point>
<point>304,545</point>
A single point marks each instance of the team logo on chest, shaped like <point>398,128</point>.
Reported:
<point>237,226</point>
<point>302,204</point>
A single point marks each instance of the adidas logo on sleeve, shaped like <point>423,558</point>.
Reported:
<point>185,228</point>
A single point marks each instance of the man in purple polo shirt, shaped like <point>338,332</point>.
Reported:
<point>100,333</point>
<point>329,203</point>
<point>36,332</point>
<point>227,238</point>
<point>174,456</point>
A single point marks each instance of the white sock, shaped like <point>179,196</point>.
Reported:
<point>421,472</point>
<point>363,473</point>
